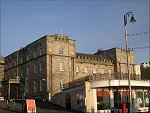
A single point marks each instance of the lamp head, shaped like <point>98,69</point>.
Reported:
<point>132,19</point>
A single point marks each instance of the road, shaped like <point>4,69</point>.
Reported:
<point>41,107</point>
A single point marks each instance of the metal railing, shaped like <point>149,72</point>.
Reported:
<point>97,77</point>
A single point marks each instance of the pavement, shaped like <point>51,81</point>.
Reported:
<point>41,107</point>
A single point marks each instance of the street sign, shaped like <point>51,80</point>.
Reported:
<point>30,106</point>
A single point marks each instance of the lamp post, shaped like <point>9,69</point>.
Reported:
<point>132,20</point>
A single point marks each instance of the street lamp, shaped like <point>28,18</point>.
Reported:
<point>132,20</point>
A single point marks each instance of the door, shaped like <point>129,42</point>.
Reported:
<point>68,101</point>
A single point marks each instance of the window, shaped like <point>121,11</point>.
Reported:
<point>94,70</point>
<point>35,87</point>
<point>61,68</point>
<point>35,66</point>
<point>102,71</point>
<point>61,51</point>
<point>21,72</point>
<point>85,69</point>
<point>117,99</point>
<point>35,53</point>
<point>103,99</point>
<point>140,99</point>
<point>15,63</point>
<point>146,98</point>
<point>77,69</point>
<point>41,51</point>
<point>40,66</point>
<point>109,71</point>
<point>27,57</point>
<point>41,85</point>
<point>14,75</point>
<point>27,70</point>
<point>21,60</point>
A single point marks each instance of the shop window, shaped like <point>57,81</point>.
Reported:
<point>103,99</point>
<point>139,99</point>
<point>146,98</point>
<point>117,99</point>
<point>80,100</point>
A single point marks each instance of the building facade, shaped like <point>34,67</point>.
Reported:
<point>52,61</point>
<point>1,73</point>
<point>119,58</point>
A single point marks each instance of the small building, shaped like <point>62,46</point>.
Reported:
<point>103,95</point>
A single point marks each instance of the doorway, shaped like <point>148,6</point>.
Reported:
<point>68,101</point>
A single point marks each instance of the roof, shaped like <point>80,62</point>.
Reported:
<point>111,83</point>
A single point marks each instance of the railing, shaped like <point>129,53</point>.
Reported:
<point>89,78</point>
<point>97,77</point>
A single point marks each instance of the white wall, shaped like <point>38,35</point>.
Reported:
<point>77,94</point>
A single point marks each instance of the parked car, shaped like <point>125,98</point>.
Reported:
<point>15,99</point>
<point>18,100</point>
<point>39,99</point>
<point>2,99</point>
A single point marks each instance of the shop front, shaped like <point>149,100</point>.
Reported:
<point>105,96</point>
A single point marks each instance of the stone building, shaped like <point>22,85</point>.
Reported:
<point>119,58</point>
<point>52,61</point>
<point>145,71</point>
<point>1,72</point>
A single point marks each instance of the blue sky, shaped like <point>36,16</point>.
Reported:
<point>93,24</point>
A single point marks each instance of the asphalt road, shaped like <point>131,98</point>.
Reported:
<point>41,107</point>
